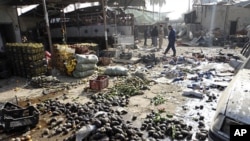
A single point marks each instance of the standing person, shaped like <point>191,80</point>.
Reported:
<point>161,36</point>
<point>146,35</point>
<point>171,41</point>
<point>151,29</point>
<point>24,39</point>
<point>154,35</point>
<point>136,33</point>
<point>248,32</point>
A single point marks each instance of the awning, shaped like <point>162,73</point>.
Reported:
<point>143,17</point>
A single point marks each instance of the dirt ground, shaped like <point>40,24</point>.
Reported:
<point>14,89</point>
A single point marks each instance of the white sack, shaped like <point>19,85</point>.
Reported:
<point>82,74</point>
<point>85,67</point>
<point>86,59</point>
<point>116,71</point>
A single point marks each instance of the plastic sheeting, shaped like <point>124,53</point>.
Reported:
<point>146,17</point>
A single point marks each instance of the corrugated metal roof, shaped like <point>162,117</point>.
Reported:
<point>55,6</point>
<point>126,3</point>
<point>245,4</point>
<point>29,2</point>
<point>66,2</point>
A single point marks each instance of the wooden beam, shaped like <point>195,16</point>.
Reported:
<point>48,31</point>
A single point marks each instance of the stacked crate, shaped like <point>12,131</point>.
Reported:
<point>84,48</point>
<point>27,59</point>
<point>62,54</point>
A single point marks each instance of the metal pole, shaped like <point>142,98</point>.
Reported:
<point>115,24</point>
<point>188,5</point>
<point>105,22</point>
<point>48,30</point>
<point>20,27</point>
<point>225,20</point>
<point>116,5</point>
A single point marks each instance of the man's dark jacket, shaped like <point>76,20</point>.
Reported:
<point>171,36</point>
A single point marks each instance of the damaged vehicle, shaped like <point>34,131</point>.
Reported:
<point>233,105</point>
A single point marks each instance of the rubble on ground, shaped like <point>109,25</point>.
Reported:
<point>201,80</point>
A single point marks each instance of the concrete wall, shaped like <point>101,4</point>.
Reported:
<point>212,17</point>
<point>27,23</point>
<point>220,16</point>
<point>8,15</point>
<point>241,15</point>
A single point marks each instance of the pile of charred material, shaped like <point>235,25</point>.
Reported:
<point>51,84</point>
<point>14,117</point>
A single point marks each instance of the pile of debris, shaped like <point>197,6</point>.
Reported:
<point>52,84</point>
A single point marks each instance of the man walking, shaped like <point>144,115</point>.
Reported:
<point>146,35</point>
<point>171,41</point>
<point>161,36</point>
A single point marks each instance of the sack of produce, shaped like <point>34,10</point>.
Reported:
<point>86,59</point>
<point>85,67</point>
<point>70,66</point>
<point>82,74</point>
<point>116,71</point>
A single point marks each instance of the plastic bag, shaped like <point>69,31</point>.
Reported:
<point>82,74</point>
<point>116,71</point>
<point>84,132</point>
<point>85,67</point>
<point>193,93</point>
<point>86,59</point>
<point>140,74</point>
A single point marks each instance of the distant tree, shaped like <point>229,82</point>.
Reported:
<point>157,2</point>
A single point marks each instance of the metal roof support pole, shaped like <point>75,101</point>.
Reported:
<point>226,20</point>
<point>48,31</point>
<point>20,27</point>
<point>104,5</point>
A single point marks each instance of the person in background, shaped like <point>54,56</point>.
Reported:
<point>171,41</point>
<point>24,39</point>
<point>248,32</point>
<point>136,33</point>
<point>154,35</point>
<point>151,29</point>
<point>161,36</point>
<point>146,35</point>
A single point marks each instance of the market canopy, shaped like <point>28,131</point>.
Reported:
<point>144,20</point>
<point>144,17</point>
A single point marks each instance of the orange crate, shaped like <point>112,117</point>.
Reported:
<point>99,83</point>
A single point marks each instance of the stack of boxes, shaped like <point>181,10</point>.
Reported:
<point>27,59</point>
